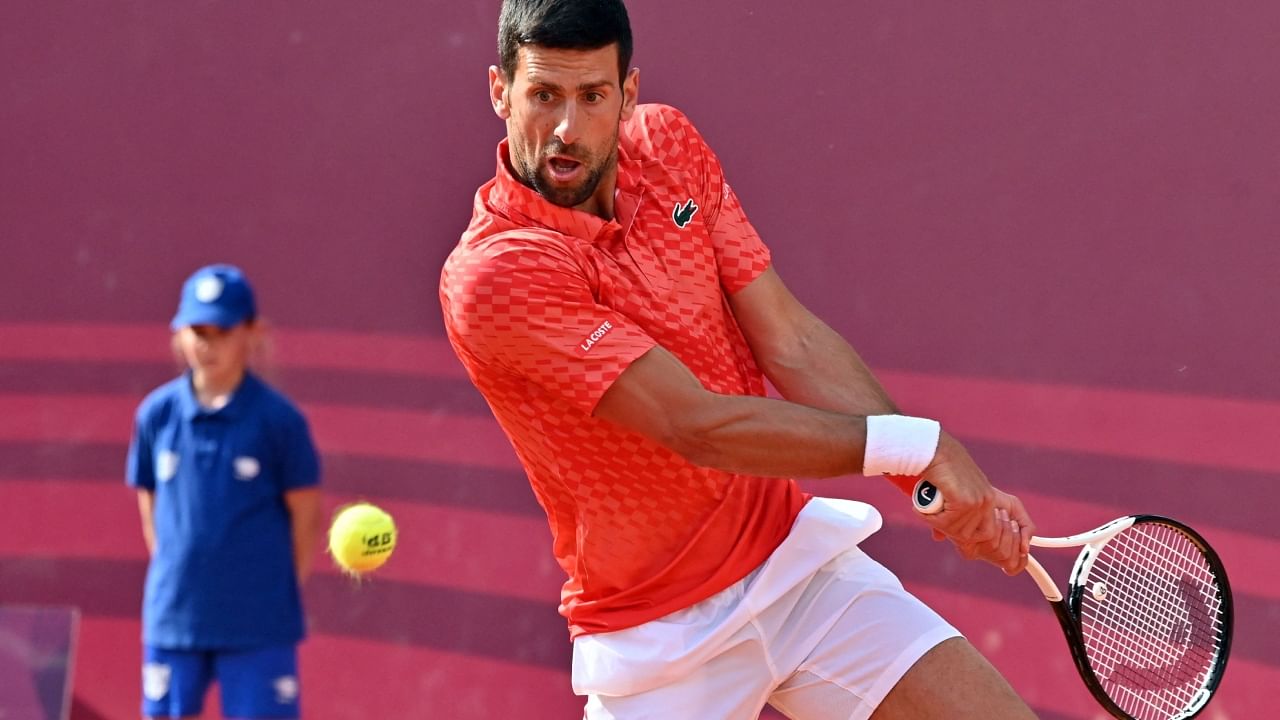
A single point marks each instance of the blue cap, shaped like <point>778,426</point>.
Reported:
<point>215,295</point>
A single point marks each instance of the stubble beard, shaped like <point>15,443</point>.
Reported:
<point>572,196</point>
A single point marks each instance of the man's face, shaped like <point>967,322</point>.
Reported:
<point>218,354</point>
<point>562,109</point>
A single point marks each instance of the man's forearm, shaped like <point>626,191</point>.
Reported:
<point>305,521</point>
<point>304,545</point>
<point>772,438</point>
<point>146,511</point>
<point>821,370</point>
<point>659,397</point>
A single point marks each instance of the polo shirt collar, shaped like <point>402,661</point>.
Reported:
<point>523,204</point>
<point>240,399</point>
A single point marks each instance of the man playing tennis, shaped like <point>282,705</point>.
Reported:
<point>620,315</point>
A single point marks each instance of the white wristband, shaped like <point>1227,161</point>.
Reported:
<point>899,445</point>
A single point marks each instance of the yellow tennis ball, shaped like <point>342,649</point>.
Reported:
<point>361,537</point>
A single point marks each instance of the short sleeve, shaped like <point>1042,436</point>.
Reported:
<point>741,255</point>
<point>301,466</point>
<point>670,137</point>
<point>526,305</point>
<point>139,465</point>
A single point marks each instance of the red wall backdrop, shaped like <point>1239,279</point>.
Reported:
<point>1052,226</point>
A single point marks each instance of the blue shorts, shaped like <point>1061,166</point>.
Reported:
<point>257,683</point>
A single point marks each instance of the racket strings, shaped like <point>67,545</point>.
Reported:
<point>1151,618</point>
<point>1170,648</point>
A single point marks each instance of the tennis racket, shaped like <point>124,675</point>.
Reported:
<point>1147,613</point>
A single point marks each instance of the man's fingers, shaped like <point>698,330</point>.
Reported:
<point>983,527</point>
<point>1004,550</point>
<point>995,548</point>
<point>979,529</point>
<point>1019,514</point>
<point>1015,558</point>
<point>991,526</point>
<point>1028,529</point>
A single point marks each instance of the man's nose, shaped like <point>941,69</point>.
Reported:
<point>567,129</point>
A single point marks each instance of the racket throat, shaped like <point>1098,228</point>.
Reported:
<point>1047,587</point>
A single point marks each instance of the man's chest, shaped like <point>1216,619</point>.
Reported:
<point>214,461</point>
<point>660,268</point>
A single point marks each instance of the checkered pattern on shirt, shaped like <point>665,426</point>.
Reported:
<point>639,530</point>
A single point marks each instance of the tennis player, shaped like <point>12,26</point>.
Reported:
<point>226,475</point>
<point>620,315</point>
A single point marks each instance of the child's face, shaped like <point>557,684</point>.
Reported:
<point>216,353</point>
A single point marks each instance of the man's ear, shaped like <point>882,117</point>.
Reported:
<point>630,92</point>
<point>498,93</point>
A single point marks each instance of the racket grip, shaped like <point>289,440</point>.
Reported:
<point>926,498</point>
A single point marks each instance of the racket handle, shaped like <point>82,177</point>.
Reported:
<point>926,498</point>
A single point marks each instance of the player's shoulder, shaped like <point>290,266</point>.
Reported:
<point>496,228</point>
<point>660,132</point>
<point>163,402</point>
<point>272,401</point>
<point>656,119</point>
<point>478,259</point>
<point>514,239</point>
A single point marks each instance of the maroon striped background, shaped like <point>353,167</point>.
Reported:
<point>1052,227</point>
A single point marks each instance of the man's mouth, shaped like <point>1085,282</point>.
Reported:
<point>563,168</point>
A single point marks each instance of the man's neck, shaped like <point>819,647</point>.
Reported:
<point>215,392</point>
<point>600,203</point>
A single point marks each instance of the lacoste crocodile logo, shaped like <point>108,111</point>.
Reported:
<point>684,212</point>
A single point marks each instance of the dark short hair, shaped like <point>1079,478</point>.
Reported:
<point>563,25</point>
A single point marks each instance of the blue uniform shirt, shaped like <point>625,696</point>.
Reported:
<point>222,575</point>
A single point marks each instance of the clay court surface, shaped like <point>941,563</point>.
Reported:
<point>1052,227</point>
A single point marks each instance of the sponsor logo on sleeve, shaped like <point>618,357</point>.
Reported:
<point>155,681</point>
<point>286,687</point>
<point>596,335</point>
<point>166,465</point>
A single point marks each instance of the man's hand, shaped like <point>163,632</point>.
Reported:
<point>1008,550</point>
<point>982,522</point>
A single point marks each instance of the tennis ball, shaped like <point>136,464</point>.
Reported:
<point>361,537</point>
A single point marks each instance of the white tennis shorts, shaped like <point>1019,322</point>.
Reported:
<point>819,631</point>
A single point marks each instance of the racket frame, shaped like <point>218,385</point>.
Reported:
<point>928,500</point>
<point>1067,609</point>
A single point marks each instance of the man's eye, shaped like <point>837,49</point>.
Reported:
<point>594,97</point>
<point>543,96</point>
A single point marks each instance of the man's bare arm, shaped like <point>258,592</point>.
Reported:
<point>658,397</point>
<point>146,509</point>
<point>807,361</point>
<point>305,521</point>
<point>811,364</point>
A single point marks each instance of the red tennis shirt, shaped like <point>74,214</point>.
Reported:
<point>546,306</point>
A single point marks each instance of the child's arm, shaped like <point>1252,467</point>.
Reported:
<point>305,520</point>
<point>146,507</point>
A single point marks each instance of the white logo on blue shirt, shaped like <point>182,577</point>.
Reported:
<point>155,680</point>
<point>286,687</point>
<point>247,468</point>
<point>166,465</point>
